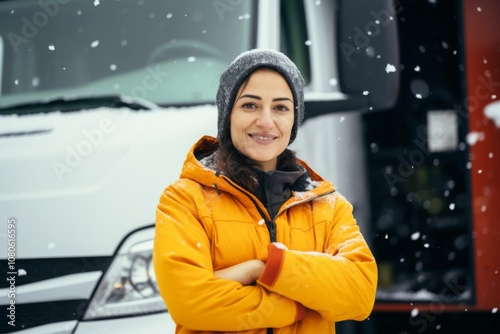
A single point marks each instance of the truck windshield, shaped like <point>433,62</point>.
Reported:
<point>166,52</point>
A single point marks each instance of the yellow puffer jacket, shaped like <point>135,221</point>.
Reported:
<point>319,272</point>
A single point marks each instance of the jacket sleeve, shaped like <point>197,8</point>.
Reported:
<point>339,283</point>
<point>195,298</point>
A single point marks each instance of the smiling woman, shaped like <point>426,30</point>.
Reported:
<point>238,235</point>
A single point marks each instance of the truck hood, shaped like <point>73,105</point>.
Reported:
<point>77,183</point>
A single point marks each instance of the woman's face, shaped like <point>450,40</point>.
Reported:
<point>262,117</point>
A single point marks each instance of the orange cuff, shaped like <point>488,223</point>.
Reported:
<point>274,264</point>
<point>301,312</point>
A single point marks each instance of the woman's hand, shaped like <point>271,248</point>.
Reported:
<point>245,273</point>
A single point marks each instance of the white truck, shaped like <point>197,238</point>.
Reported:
<point>99,104</point>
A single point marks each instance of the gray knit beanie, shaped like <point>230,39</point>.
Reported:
<point>239,70</point>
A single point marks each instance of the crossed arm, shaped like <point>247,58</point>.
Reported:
<point>245,273</point>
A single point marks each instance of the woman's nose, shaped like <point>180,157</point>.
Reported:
<point>265,119</point>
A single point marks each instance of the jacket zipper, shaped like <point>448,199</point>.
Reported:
<point>271,227</point>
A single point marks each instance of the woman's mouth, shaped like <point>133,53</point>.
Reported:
<point>262,138</point>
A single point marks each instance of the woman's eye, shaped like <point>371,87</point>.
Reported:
<point>249,105</point>
<point>282,108</point>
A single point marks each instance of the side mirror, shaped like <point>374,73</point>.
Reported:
<point>367,52</point>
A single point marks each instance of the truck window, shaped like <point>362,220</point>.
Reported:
<point>76,48</point>
<point>294,38</point>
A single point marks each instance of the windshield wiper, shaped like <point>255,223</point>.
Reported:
<point>75,104</point>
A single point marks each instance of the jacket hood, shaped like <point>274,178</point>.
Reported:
<point>199,167</point>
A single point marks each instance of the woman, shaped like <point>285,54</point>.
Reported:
<point>250,238</point>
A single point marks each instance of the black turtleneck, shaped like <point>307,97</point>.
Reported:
<point>275,188</point>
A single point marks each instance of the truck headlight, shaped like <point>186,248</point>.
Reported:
<point>129,286</point>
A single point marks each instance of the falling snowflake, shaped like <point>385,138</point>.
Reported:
<point>333,82</point>
<point>35,82</point>
<point>390,68</point>
<point>492,111</point>
<point>94,44</point>
<point>52,47</point>
<point>474,137</point>
<point>96,3</point>
<point>366,92</point>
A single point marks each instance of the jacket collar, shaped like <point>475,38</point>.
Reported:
<point>199,167</point>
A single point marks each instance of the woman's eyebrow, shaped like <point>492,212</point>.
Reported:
<point>259,98</point>
<point>250,96</point>
<point>282,99</point>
